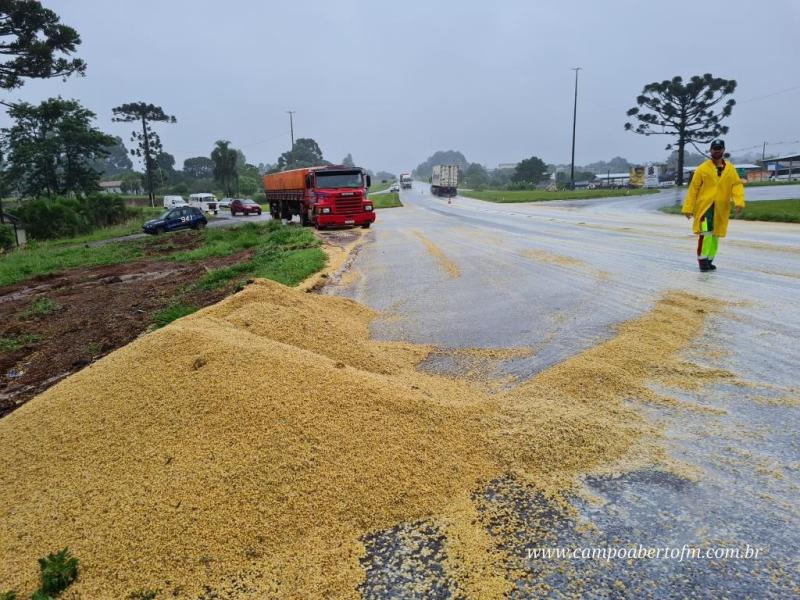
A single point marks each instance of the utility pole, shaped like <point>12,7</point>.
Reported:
<point>763,158</point>
<point>291,125</point>
<point>574,120</point>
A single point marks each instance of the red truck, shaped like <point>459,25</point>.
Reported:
<point>329,196</point>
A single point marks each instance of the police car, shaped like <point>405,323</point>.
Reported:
<point>182,217</point>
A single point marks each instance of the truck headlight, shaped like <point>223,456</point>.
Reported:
<point>368,207</point>
<point>326,210</point>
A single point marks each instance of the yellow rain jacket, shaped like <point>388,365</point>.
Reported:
<point>707,188</point>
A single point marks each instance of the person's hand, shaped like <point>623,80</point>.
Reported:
<point>687,216</point>
<point>737,210</point>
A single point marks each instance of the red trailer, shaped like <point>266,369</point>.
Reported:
<point>329,196</point>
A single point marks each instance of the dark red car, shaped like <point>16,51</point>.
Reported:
<point>245,206</point>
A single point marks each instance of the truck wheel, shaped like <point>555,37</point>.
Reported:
<point>304,221</point>
<point>366,225</point>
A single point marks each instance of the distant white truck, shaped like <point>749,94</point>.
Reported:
<point>173,201</point>
<point>205,202</point>
<point>444,180</point>
<point>405,181</point>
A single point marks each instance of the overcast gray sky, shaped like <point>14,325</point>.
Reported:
<point>391,82</point>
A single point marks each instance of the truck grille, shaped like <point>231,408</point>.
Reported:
<point>348,206</point>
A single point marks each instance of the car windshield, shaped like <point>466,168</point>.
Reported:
<point>164,214</point>
<point>247,201</point>
<point>339,179</point>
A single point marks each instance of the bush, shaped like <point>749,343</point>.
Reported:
<point>520,186</point>
<point>58,571</point>
<point>66,217</point>
<point>7,240</point>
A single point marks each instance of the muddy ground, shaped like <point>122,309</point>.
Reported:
<point>98,310</point>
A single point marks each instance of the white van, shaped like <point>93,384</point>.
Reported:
<point>205,202</point>
<point>173,201</point>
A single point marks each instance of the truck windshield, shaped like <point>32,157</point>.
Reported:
<point>346,179</point>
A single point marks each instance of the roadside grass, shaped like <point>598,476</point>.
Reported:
<point>284,254</point>
<point>391,200</point>
<point>379,187</point>
<point>672,209</point>
<point>767,183</point>
<point>40,307</point>
<point>15,342</point>
<point>46,257</point>
<point>129,227</point>
<point>174,311</point>
<point>222,242</point>
<point>784,211</point>
<point>58,570</point>
<point>504,196</point>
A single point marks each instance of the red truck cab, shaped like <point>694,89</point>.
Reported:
<point>329,196</point>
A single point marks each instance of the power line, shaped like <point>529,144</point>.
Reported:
<point>768,143</point>
<point>791,89</point>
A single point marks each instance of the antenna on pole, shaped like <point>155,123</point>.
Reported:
<point>291,125</point>
<point>574,119</point>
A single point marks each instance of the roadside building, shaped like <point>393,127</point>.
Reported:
<point>750,172</point>
<point>782,167</point>
<point>611,179</point>
<point>14,223</point>
<point>111,187</point>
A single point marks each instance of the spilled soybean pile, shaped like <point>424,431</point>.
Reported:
<point>251,447</point>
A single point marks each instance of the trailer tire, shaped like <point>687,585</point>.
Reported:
<point>366,225</point>
<point>304,220</point>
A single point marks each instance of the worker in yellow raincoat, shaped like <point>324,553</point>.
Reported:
<point>714,184</point>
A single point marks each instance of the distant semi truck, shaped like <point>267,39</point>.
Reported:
<point>330,196</point>
<point>405,181</point>
<point>444,180</point>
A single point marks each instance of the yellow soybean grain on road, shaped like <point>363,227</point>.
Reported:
<point>251,446</point>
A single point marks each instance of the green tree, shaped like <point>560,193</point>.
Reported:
<point>347,161</point>
<point>248,185</point>
<point>148,144</point>
<point>562,177</point>
<point>225,171</point>
<point>476,176</point>
<point>165,163</point>
<point>615,165</point>
<point>691,112</point>
<point>441,157</point>
<point>116,162</point>
<point>306,153</point>
<point>131,182</point>
<point>531,170</point>
<point>690,159</point>
<point>31,40</point>
<point>199,167</point>
<point>51,148</point>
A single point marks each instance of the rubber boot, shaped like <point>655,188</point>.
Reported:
<point>711,266</point>
<point>704,264</point>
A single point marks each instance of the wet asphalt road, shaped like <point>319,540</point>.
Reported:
<point>557,277</point>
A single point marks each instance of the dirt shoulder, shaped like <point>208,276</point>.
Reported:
<point>91,312</point>
<point>54,325</point>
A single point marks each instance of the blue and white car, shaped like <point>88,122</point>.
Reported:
<point>182,217</point>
